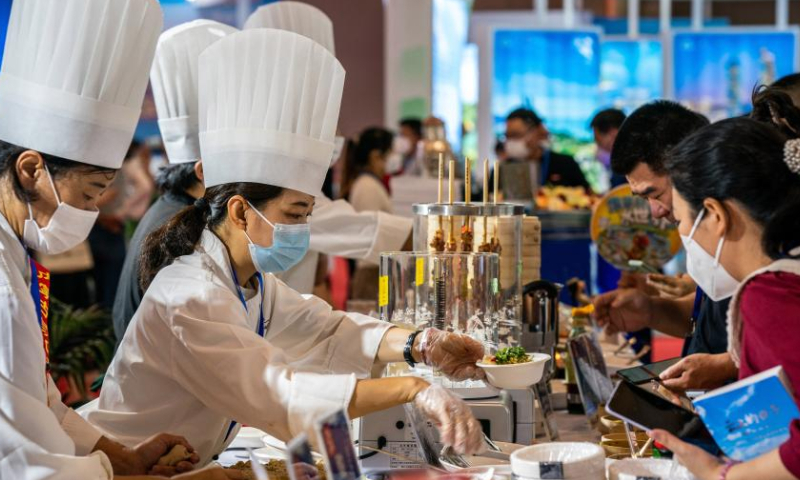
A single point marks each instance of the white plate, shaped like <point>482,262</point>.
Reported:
<point>248,437</point>
<point>478,462</point>
<point>517,376</point>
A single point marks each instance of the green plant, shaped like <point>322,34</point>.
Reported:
<point>81,341</point>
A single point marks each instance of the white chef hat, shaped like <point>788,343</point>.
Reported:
<point>74,75</point>
<point>296,17</point>
<point>174,82</point>
<point>269,104</point>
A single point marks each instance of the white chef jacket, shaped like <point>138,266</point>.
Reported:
<point>191,360</point>
<point>338,229</point>
<point>37,441</point>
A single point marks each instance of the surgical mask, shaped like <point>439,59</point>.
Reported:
<point>68,226</point>
<point>394,162</point>
<point>706,270</point>
<point>289,246</point>
<point>338,146</point>
<point>546,144</point>
<point>402,145</point>
<point>517,149</point>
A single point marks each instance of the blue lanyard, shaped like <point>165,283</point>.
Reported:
<point>260,329</point>
<point>545,167</point>
<point>698,302</point>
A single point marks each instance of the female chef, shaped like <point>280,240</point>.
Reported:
<point>217,338</point>
<point>69,111</point>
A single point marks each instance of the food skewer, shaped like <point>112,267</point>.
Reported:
<point>467,235</point>
<point>437,243</point>
<point>451,239</point>
<point>495,243</point>
<point>484,247</point>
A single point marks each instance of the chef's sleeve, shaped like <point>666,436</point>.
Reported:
<point>83,434</point>
<point>239,374</point>
<point>338,229</point>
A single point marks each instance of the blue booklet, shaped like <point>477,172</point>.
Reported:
<point>750,417</point>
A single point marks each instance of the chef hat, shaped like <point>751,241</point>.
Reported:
<point>174,82</point>
<point>295,17</point>
<point>74,75</point>
<point>269,104</point>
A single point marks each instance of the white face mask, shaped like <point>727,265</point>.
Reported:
<point>394,162</point>
<point>402,145</point>
<point>706,270</point>
<point>517,149</point>
<point>68,227</point>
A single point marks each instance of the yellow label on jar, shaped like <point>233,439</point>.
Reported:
<point>383,291</point>
<point>420,271</point>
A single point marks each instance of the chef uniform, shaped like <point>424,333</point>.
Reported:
<point>337,229</point>
<point>63,95</point>
<point>174,82</point>
<point>203,355</point>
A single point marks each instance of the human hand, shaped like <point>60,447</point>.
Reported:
<point>212,473</point>
<point>623,310</point>
<point>702,464</point>
<point>151,450</point>
<point>453,354</point>
<point>458,428</point>
<point>304,471</point>
<point>672,287</point>
<point>701,371</point>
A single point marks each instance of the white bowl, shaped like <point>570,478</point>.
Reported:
<point>248,437</point>
<point>575,460</point>
<point>631,469</point>
<point>517,376</point>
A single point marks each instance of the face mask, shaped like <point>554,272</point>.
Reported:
<point>546,144</point>
<point>402,145</point>
<point>289,246</point>
<point>338,146</point>
<point>68,227</point>
<point>394,162</point>
<point>706,270</point>
<point>517,149</point>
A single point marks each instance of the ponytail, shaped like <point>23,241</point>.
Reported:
<point>180,235</point>
<point>782,230</point>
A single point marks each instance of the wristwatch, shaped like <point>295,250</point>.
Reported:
<point>407,351</point>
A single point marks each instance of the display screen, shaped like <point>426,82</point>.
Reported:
<point>554,72</point>
<point>648,411</point>
<point>714,72</point>
<point>631,73</point>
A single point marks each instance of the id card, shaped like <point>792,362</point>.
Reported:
<point>341,460</point>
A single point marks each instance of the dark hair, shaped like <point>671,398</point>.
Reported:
<point>649,132</point>
<point>177,178</point>
<point>788,82</point>
<point>57,167</point>
<point>608,119</point>
<point>776,107</point>
<point>527,115</point>
<point>180,235</point>
<point>374,138</point>
<point>741,159</point>
<point>414,124</point>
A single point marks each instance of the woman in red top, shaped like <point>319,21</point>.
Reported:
<point>736,199</point>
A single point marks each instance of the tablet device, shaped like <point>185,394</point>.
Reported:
<point>648,411</point>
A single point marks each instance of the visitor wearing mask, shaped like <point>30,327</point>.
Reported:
<point>639,153</point>
<point>63,136</point>
<point>406,145</point>
<point>605,126</point>
<point>736,197</point>
<point>368,193</point>
<point>528,140</point>
<point>217,337</point>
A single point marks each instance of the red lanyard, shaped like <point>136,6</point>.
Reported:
<point>40,292</point>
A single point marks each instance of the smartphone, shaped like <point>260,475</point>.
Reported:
<point>648,411</point>
<point>641,267</point>
<point>645,373</point>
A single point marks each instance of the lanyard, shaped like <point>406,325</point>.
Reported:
<point>698,302</point>
<point>40,293</point>
<point>545,167</point>
<point>260,329</point>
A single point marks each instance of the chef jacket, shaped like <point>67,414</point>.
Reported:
<point>338,229</point>
<point>39,435</point>
<point>192,361</point>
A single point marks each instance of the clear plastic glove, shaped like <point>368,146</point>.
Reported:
<point>458,428</point>
<point>453,354</point>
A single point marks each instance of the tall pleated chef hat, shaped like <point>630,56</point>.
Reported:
<point>174,82</point>
<point>296,17</point>
<point>269,104</point>
<point>74,75</point>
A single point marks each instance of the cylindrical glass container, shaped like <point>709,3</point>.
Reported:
<point>478,227</point>
<point>451,291</point>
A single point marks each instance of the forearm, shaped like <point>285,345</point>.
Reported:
<point>672,316</point>
<point>766,466</point>
<point>382,393</point>
<point>393,343</point>
<point>120,457</point>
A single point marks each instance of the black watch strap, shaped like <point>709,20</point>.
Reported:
<point>407,355</point>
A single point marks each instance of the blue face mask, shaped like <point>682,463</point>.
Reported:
<point>289,246</point>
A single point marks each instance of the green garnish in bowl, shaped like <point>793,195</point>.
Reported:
<point>509,356</point>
